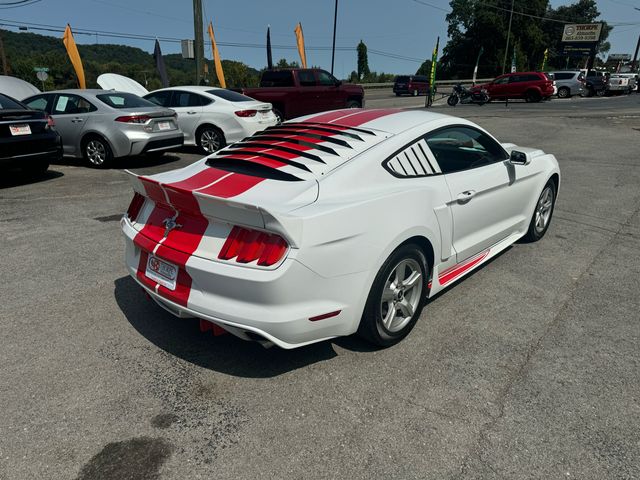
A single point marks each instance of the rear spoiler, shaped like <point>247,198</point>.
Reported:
<point>221,209</point>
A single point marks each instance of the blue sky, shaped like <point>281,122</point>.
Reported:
<point>407,28</point>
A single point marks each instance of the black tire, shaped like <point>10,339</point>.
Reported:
<point>210,139</point>
<point>535,233</point>
<point>564,92</point>
<point>601,93</point>
<point>97,152</point>
<point>371,325</point>
<point>354,104</point>
<point>279,115</point>
<point>533,96</point>
<point>452,101</point>
<point>397,94</point>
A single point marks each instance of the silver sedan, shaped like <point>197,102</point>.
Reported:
<point>100,125</point>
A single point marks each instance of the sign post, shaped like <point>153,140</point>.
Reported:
<point>42,75</point>
<point>581,39</point>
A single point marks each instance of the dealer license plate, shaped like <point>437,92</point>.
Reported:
<point>164,273</point>
<point>164,125</point>
<point>20,130</point>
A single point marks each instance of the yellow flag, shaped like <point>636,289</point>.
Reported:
<point>216,58</point>
<point>74,56</point>
<point>300,40</point>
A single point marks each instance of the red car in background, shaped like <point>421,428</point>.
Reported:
<point>532,86</point>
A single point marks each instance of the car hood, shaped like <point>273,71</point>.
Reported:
<point>16,88</point>
<point>113,81</point>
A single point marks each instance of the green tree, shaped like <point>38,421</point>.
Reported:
<point>582,11</point>
<point>363,61</point>
<point>474,24</point>
<point>425,68</point>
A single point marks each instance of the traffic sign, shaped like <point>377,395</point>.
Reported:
<point>41,69</point>
<point>42,76</point>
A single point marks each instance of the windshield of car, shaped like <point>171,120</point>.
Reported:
<point>230,95</point>
<point>8,104</point>
<point>124,100</point>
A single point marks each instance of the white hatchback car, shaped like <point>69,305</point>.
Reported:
<point>211,118</point>
<point>334,223</point>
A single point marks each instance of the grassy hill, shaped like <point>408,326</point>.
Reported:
<point>28,50</point>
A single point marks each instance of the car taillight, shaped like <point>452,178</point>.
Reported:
<point>50,122</point>
<point>246,246</point>
<point>133,119</point>
<point>134,207</point>
<point>246,113</point>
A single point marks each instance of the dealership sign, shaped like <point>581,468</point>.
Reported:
<point>586,32</point>
<point>619,57</point>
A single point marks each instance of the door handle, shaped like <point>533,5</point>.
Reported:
<point>77,120</point>
<point>465,196</point>
<point>191,113</point>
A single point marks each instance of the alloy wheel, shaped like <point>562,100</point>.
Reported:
<point>96,152</point>
<point>401,295</point>
<point>210,141</point>
<point>543,209</point>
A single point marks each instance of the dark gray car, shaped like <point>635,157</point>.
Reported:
<point>100,125</point>
<point>569,83</point>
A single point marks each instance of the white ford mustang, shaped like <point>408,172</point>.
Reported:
<point>334,223</point>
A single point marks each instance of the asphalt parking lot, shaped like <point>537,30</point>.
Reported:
<point>527,369</point>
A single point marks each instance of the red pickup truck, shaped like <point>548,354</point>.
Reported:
<point>301,91</point>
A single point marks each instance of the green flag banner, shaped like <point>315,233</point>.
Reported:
<point>432,80</point>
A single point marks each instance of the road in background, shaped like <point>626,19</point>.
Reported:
<point>526,369</point>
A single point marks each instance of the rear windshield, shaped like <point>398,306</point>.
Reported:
<point>7,103</point>
<point>275,78</point>
<point>124,100</point>
<point>230,95</point>
<point>402,79</point>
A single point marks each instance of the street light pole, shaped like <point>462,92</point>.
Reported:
<point>333,49</point>
<point>506,49</point>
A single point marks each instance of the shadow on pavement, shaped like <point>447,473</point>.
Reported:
<point>225,354</point>
<point>140,161</point>
<point>17,178</point>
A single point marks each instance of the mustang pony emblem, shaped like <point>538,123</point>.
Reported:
<point>170,224</point>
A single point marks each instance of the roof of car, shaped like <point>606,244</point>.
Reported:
<point>190,88</point>
<point>86,91</point>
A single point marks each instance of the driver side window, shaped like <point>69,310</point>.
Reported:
<point>462,148</point>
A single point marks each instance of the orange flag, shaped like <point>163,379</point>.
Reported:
<point>300,40</point>
<point>216,58</point>
<point>74,56</point>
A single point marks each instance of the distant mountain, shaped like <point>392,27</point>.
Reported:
<point>27,50</point>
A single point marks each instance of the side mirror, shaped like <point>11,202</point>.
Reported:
<point>519,158</point>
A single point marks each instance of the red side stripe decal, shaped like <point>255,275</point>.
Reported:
<point>447,276</point>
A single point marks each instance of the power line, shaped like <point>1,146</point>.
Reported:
<point>22,3</point>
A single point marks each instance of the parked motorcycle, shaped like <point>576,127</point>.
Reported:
<point>464,95</point>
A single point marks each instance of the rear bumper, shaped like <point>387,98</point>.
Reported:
<point>273,304</point>
<point>20,153</point>
<point>157,145</point>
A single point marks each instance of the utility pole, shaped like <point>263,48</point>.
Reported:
<point>198,44</point>
<point>333,49</point>
<point>3,57</point>
<point>506,49</point>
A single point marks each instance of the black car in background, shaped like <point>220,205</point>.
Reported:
<point>27,138</point>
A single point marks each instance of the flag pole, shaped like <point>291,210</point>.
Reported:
<point>333,49</point>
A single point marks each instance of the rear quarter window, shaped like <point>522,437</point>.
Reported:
<point>7,103</point>
<point>277,79</point>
